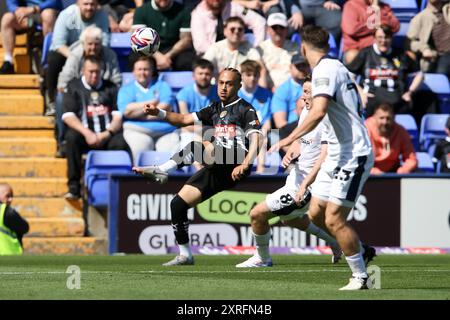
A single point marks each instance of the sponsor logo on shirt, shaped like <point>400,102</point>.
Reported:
<point>307,142</point>
<point>322,82</point>
<point>223,113</point>
<point>98,110</point>
<point>383,74</point>
<point>225,130</point>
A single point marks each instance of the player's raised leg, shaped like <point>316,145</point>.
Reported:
<point>193,151</point>
<point>188,197</point>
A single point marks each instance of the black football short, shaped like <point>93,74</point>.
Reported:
<point>213,179</point>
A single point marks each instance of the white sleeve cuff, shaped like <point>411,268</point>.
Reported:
<point>68,114</point>
<point>249,132</point>
<point>194,115</point>
<point>117,113</point>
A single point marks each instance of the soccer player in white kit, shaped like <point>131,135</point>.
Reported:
<point>282,202</point>
<point>349,160</point>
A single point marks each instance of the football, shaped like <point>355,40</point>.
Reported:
<point>145,41</point>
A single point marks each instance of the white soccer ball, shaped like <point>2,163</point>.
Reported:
<point>145,41</point>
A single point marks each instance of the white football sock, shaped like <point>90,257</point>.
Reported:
<point>315,230</point>
<point>168,165</point>
<point>262,245</point>
<point>357,265</point>
<point>8,57</point>
<point>185,250</point>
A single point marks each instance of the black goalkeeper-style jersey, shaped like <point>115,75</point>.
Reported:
<point>382,72</point>
<point>231,126</point>
<point>93,106</point>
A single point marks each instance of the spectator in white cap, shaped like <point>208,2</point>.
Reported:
<point>233,50</point>
<point>276,52</point>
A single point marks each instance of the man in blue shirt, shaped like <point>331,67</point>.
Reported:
<point>260,98</point>
<point>141,131</point>
<point>197,96</point>
<point>20,16</point>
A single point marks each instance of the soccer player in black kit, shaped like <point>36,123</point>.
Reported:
<point>227,157</point>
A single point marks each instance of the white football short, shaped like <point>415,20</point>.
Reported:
<point>342,185</point>
<point>281,202</point>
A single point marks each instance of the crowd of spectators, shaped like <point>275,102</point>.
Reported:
<point>83,80</point>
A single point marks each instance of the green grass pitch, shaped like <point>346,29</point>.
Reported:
<point>215,277</point>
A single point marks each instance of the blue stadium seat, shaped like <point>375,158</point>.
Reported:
<point>250,37</point>
<point>99,165</point>
<point>425,164</point>
<point>148,158</point>
<point>45,48</point>
<point>66,3</point>
<point>423,4</point>
<point>408,122</point>
<point>404,10</point>
<point>127,77</point>
<point>439,84</point>
<point>272,164</point>
<point>432,129</point>
<point>334,50</point>
<point>177,80</point>
<point>120,43</point>
<point>399,37</point>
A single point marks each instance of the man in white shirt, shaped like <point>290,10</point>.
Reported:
<point>349,159</point>
<point>308,150</point>
<point>276,52</point>
<point>233,50</point>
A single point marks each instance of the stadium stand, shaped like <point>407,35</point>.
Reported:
<point>99,165</point>
<point>148,158</point>
<point>425,164</point>
<point>404,10</point>
<point>151,157</point>
<point>439,84</point>
<point>399,37</point>
<point>177,79</point>
<point>272,164</point>
<point>423,4</point>
<point>432,129</point>
<point>250,37</point>
<point>408,122</point>
<point>120,43</point>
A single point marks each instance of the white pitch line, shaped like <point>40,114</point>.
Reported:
<point>6,273</point>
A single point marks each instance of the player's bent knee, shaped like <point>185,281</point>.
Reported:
<point>334,224</point>
<point>257,215</point>
<point>8,19</point>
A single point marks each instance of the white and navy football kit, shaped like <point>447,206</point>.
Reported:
<point>349,159</point>
<point>281,202</point>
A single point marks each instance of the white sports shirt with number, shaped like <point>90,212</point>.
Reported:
<point>330,78</point>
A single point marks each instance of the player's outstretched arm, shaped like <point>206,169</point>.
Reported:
<point>318,111</point>
<point>177,119</point>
